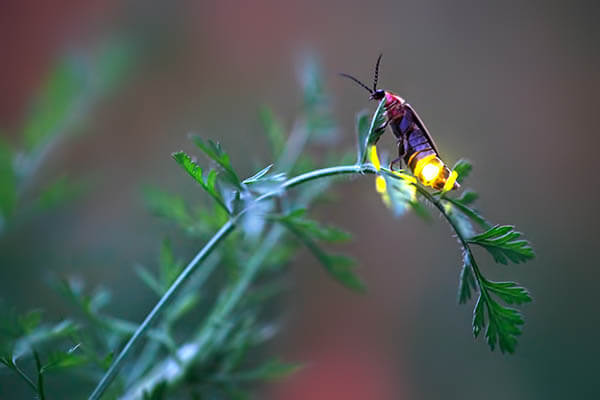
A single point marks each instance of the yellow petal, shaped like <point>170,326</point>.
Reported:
<point>374,157</point>
<point>449,185</point>
<point>380,184</point>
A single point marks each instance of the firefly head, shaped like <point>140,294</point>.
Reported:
<point>376,94</point>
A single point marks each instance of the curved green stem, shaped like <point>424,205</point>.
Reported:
<point>221,234</point>
<point>110,375</point>
<point>464,242</point>
<point>24,375</point>
<point>318,174</point>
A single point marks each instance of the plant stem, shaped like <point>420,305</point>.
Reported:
<point>24,375</point>
<point>151,349</point>
<point>40,385</point>
<point>242,285</point>
<point>318,174</point>
<point>110,375</point>
<point>461,238</point>
<point>174,367</point>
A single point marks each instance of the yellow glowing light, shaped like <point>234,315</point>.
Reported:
<point>430,172</point>
<point>380,184</point>
<point>449,185</point>
<point>422,163</point>
<point>374,157</point>
<point>406,177</point>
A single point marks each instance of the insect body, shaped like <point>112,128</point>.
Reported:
<point>416,148</point>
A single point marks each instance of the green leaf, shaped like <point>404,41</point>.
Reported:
<point>495,231</point>
<point>503,328</point>
<point>504,244</point>
<point>314,229</point>
<point>55,101</point>
<point>509,292</point>
<point>60,191</point>
<point>338,266</point>
<point>469,212</point>
<point>478,316</point>
<point>317,118</point>
<point>273,369</point>
<point>215,152</point>
<point>311,82</point>
<point>8,183</point>
<point>167,205</point>
<point>461,220</point>
<point>127,328</point>
<point>149,279</point>
<point>274,129</point>
<point>369,134</point>
<point>190,166</point>
<point>256,177</point>
<point>107,360</point>
<point>182,306</point>
<point>157,392</point>
<point>463,169</point>
<point>468,197</point>
<point>262,177</point>
<point>503,323</point>
<point>462,203</point>
<point>401,195</point>
<point>43,334</point>
<point>112,63</point>
<point>195,171</point>
<point>64,359</point>
<point>169,267</point>
<point>375,130</point>
<point>362,132</point>
<point>467,283</point>
<point>14,325</point>
<point>31,320</point>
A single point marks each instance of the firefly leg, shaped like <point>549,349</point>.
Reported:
<point>396,161</point>
<point>384,125</point>
<point>388,121</point>
<point>400,155</point>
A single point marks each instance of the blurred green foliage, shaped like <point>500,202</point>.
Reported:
<point>73,86</point>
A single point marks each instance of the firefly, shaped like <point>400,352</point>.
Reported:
<point>416,147</point>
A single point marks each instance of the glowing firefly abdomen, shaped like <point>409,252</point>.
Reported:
<point>418,150</point>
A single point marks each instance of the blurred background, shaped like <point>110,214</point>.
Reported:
<point>512,86</point>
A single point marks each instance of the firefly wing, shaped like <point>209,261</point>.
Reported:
<point>417,120</point>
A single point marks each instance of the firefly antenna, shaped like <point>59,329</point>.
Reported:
<point>376,72</point>
<point>357,81</point>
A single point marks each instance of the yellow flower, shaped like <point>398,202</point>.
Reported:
<point>449,185</point>
<point>374,158</point>
<point>380,184</point>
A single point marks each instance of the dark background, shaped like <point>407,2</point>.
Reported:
<point>513,86</point>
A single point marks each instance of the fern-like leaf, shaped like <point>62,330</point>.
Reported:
<point>308,232</point>
<point>215,152</point>
<point>467,283</point>
<point>504,244</point>
<point>208,183</point>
